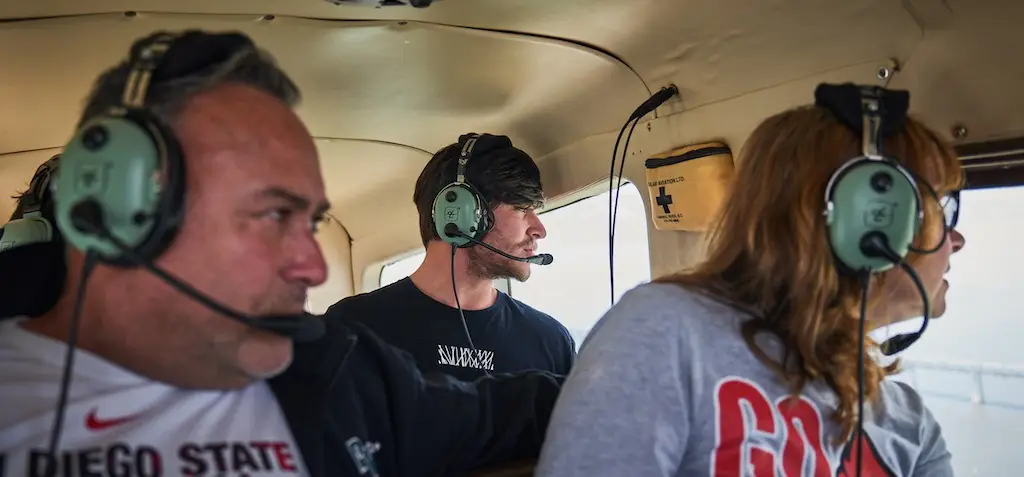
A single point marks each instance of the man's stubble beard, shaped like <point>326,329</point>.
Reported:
<point>486,264</point>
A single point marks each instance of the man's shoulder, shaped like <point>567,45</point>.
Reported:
<point>535,318</point>
<point>382,296</point>
<point>520,308</point>
<point>346,344</point>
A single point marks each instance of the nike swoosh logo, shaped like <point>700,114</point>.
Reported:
<point>94,423</point>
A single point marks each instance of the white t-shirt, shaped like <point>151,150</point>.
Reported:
<point>118,423</point>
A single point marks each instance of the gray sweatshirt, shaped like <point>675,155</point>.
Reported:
<point>666,386</point>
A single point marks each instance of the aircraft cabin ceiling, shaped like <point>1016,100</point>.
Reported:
<point>386,87</point>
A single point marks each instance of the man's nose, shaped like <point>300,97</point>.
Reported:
<point>537,229</point>
<point>307,264</point>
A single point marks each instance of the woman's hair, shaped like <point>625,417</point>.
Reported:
<point>769,250</point>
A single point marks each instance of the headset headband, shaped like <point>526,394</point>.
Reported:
<point>467,152</point>
<point>871,140</point>
<point>871,111</point>
<point>849,103</point>
<point>143,65</point>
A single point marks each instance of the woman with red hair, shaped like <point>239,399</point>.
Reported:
<point>756,362</point>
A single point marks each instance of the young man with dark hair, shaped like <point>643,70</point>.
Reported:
<point>163,384</point>
<point>494,332</point>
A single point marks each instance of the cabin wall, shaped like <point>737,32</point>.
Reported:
<point>577,166</point>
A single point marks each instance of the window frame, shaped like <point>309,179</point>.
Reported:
<point>991,164</point>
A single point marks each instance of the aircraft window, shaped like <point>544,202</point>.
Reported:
<point>400,269</point>
<point>969,365</point>
<point>574,289</point>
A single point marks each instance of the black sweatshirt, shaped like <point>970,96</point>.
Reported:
<point>360,407</point>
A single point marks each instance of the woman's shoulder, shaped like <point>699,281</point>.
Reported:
<point>900,399</point>
<point>666,310</point>
<point>677,300</point>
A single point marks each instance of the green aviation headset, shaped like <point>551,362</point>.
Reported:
<point>460,203</point>
<point>122,173</point>
<point>873,205</point>
<point>871,201</point>
<point>872,208</point>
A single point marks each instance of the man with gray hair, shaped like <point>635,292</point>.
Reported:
<point>198,206</point>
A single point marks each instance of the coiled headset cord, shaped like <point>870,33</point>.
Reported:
<point>876,245</point>
<point>455,291</point>
<point>652,103</point>
<point>91,259</point>
<point>462,315</point>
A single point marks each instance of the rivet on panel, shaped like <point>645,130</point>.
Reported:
<point>887,71</point>
<point>959,131</point>
<point>268,18</point>
<point>130,14</point>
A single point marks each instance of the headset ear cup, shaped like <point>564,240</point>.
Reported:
<point>870,196</point>
<point>456,204</point>
<point>131,166</point>
<point>170,210</point>
<point>460,203</point>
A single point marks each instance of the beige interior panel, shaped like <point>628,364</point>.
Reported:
<point>968,71</point>
<point>370,184</point>
<point>406,83</point>
<point>709,48</point>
